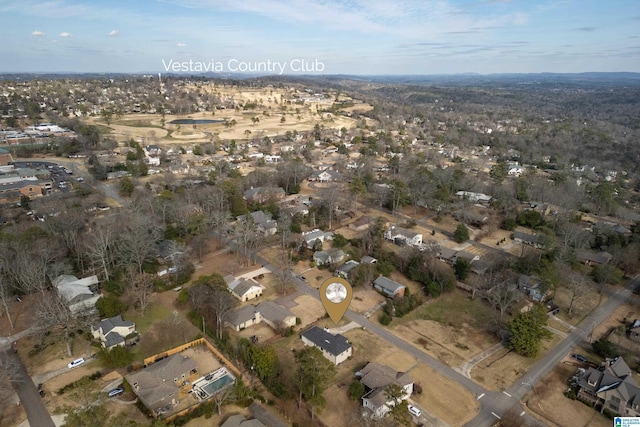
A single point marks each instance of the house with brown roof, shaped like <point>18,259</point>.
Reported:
<point>363,223</point>
<point>376,378</point>
<point>593,258</point>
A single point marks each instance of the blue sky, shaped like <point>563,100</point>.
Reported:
<point>340,36</point>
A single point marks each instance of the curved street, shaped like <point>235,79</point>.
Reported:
<point>493,404</point>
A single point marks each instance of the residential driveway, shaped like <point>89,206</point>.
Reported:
<point>425,418</point>
<point>344,328</point>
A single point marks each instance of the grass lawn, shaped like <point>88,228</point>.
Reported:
<point>455,309</point>
<point>154,313</point>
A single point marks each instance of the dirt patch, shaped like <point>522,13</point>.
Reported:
<point>582,307</point>
<point>449,345</point>
<point>547,400</point>
<point>222,262</point>
<point>364,299</point>
<point>501,369</point>
<point>308,309</point>
<point>10,413</point>
<point>455,407</point>
<point>624,312</point>
<point>22,314</point>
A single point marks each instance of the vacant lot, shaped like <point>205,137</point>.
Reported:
<point>501,369</point>
<point>588,300</point>
<point>308,309</point>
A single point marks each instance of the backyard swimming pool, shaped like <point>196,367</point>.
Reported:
<point>212,383</point>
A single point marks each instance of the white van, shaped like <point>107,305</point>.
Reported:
<point>75,363</point>
<point>414,411</point>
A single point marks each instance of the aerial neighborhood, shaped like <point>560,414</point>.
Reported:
<point>163,243</point>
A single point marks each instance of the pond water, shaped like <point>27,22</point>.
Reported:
<point>194,121</point>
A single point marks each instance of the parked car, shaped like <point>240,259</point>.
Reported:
<point>579,357</point>
<point>414,411</point>
<point>75,363</point>
<point>116,391</point>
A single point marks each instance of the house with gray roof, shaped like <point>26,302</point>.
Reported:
<point>158,385</point>
<point>336,348</point>
<point>388,287</point>
<point>376,378</point>
<point>399,234</point>
<point>244,289</point>
<point>244,317</point>
<point>80,294</point>
<point>113,331</point>
<point>268,312</point>
<point>331,256</point>
<point>239,420</point>
<point>611,386</point>
<point>275,315</point>
<point>262,221</point>
<point>346,268</point>
<point>310,237</point>
<point>527,239</point>
<point>326,175</point>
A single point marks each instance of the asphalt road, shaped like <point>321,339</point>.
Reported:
<point>493,404</point>
<point>28,394</point>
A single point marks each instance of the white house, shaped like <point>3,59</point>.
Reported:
<point>268,312</point>
<point>326,175</point>
<point>331,256</point>
<point>376,378</point>
<point>336,348</point>
<point>411,238</point>
<point>474,197</point>
<point>244,289</point>
<point>310,237</point>
<point>113,331</point>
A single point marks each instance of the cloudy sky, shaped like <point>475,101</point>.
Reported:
<point>340,36</point>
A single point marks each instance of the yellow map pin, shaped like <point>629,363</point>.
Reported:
<point>336,294</point>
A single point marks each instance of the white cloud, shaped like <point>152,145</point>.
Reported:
<point>113,33</point>
<point>181,44</point>
<point>65,34</point>
<point>37,33</point>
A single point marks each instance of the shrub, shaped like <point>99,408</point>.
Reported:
<point>110,305</point>
<point>356,390</point>
<point>117,357</point>
<point>385,319</point>
<point>461,234</point>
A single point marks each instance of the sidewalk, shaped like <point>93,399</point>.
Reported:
<point>465,368</point>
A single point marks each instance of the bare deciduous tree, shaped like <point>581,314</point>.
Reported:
<point>140,287</point>
<point>53,313</point>
<point>101,247</point>
<point>137,241</point>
